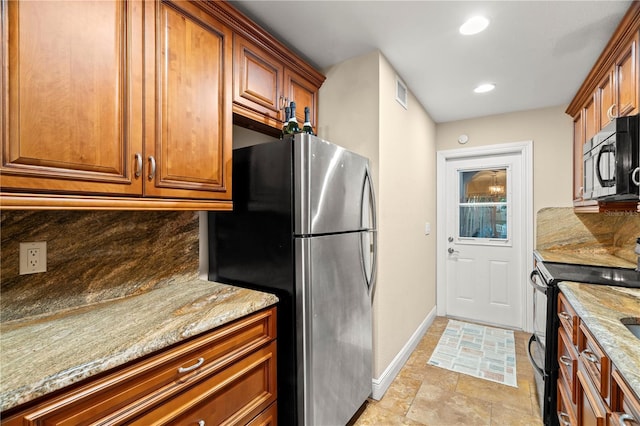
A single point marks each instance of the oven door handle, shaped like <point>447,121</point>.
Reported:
<point>534,284</point>
<point>533,362</point>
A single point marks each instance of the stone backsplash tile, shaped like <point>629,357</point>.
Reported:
<point>613,233</point>
<point>93,257</point>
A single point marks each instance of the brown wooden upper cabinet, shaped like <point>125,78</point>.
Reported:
<point>72,98</point>
<point>258,82</point>
<point>128,99</point>
<point>112,104</point>
<point>188,129</point>
<point>263,84</point>
<point>611,89</point>
<point>618,91</point>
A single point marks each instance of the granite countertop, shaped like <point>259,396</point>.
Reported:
<point>45,353</point>
<point>597,258</point>
<point>601,308</point>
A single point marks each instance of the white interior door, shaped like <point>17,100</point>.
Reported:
<point>484,237</point>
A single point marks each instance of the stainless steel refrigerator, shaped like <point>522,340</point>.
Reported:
<point>303,227</point>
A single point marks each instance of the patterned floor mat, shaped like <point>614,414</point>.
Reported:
<point>479,351</point>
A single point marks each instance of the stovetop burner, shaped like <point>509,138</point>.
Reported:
<point>602,275</point>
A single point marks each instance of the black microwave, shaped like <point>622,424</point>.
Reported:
<point>611,161</point>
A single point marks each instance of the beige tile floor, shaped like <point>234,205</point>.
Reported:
<point>422,394</point>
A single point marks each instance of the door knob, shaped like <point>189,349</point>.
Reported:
<point>451,250</point>
<point>450,239</point>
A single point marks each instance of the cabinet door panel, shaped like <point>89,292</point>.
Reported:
<point>191,141</point>
<point>627,81</point>
<point>606,100</point>
<point>303,93</point>
<point>578,142</point>
<point>258,79</point>
<point>71,100</point>
<point>591,119</point>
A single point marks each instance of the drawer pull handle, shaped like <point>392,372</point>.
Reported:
<point>564,418</point>
<point>191,368</point>
<point>565,316</point>
<point>625,417</point>
<point>566,360</point>
<point>152,163</point>
<point>590,356</point>
<point>138,158</point>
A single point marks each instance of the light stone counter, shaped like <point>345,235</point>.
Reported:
<point>601,308</point>
<point>41,354</point>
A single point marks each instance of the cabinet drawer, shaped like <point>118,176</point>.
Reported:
<point>568,362</point>
<point>568,318</point>
<point>566,409</point>
<point>595,361</point>
<point>233,396</point>
<point>136,388</point>
<point>268,417</point>
<point>624,404</point>
<point>591,408</point>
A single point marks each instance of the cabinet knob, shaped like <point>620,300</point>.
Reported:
<point>201,423</point>
<point>590,356</point>
<point>623,419</point>
<point>565,360</point>
<point>284,102</point>
<point>565,420</point>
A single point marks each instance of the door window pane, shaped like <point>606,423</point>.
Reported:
<point>480,221</point>
<point>483,204</point>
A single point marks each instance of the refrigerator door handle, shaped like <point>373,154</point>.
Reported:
<point>371,281</point>
<point>372,198</point>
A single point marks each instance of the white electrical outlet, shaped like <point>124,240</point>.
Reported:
<point>33,257</point>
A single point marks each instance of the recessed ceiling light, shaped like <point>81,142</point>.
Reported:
<point>474,25</point>
<point>484,88</point>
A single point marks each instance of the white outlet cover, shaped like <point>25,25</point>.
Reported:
<point>33,263</point>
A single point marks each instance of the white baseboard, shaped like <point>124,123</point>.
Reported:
<point>381,384</point>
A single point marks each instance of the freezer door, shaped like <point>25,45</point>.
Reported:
<point>330,187</point>
<point>334,311</point>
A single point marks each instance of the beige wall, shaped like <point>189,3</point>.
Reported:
<point>358,111</point>
<point>552,133</point>
<point>348,108</point>
<point>407,271</point>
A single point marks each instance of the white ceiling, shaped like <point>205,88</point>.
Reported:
<point>536,52</point>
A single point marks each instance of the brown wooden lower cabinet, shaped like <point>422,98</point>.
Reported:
<point>566,409</point>
<point>591,391</point>
<point>226,376</point>
<point>624,406</point>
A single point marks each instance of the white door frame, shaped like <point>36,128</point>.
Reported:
<point>525,149</point>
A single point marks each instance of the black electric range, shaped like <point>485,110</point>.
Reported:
<point>603,275</point>
<point>543,345</point>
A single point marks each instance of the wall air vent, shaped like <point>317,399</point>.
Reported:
<point>401,92</point>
